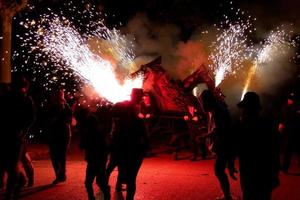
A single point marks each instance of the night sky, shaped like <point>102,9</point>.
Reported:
<point>190,14</point>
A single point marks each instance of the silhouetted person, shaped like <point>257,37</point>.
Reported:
<point>146,113</point>
<point>290,128</point>
<point>257,150</point>
<point>4,100</point>
<point>17,114</point>
<point>59,133</point>
<point>118,128</point>
<point>147,110</point>
<point>94,141</point>
<point>179,138</point>
<point>131,142</point>
<point>220,133</point>
<point>28,173</point>
<point>196,128</point>
<point>28,168</point>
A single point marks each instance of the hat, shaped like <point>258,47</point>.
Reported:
<point>250,100</point>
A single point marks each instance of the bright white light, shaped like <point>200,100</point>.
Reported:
<point>64,44</point>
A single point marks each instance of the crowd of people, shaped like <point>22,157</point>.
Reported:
<point>118,137</point>
<point>17,115</point>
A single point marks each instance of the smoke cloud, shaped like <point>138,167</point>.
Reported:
<point>181,58</point>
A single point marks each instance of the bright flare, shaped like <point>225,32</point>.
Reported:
<point>72,57</point>
<point>62,43</point>
<point>250,76</point>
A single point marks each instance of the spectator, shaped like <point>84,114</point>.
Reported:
<point>94,142</point>
<point>131,142</point>
<point>220,133</point>
<point>17,115</point>
<point>257,150</point>
<point>59,133</point>
<point>290,127</point>
<point>196,128</point>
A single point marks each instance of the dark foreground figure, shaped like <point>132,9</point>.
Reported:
<point>289,126</point>
<point>129,142</point>
<point>17,115</point>
<point>220,133</point>
<point>257,150</point>
<point>59,133</point>
<point>94,141</point>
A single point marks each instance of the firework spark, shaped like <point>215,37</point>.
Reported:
<point>120,48</point>
<point>62,52</point>
<point>273,46</point>
<point>62,42</point>
<point>229,51</point>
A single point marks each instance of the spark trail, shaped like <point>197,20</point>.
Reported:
<point>273,46</point>
<point>229,51</point>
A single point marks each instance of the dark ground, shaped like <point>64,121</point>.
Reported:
<point>160,178</point>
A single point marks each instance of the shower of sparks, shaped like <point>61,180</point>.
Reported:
<point>65,44</point>
<point>274,45</point>
<point>230,50</point>
<point>118,46</point>
<point>62,52</point>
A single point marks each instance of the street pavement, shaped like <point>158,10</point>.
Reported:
<point>160,178</point>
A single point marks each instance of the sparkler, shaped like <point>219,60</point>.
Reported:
<point>274,46</point>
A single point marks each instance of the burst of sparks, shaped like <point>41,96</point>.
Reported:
<point>62,42</point>
<point>273,46</point>
<point>229,51</point>
<point>61,51</point>
<point>120,48</point>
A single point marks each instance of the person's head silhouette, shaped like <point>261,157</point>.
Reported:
<point>251,100</point>
<point>250,106</point>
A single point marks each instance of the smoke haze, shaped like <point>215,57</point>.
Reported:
<point>180,58</point>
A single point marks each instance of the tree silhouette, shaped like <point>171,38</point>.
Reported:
<point>8,9</point>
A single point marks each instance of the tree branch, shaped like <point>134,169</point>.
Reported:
<point>17,7</point>
<point>2,6</point>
